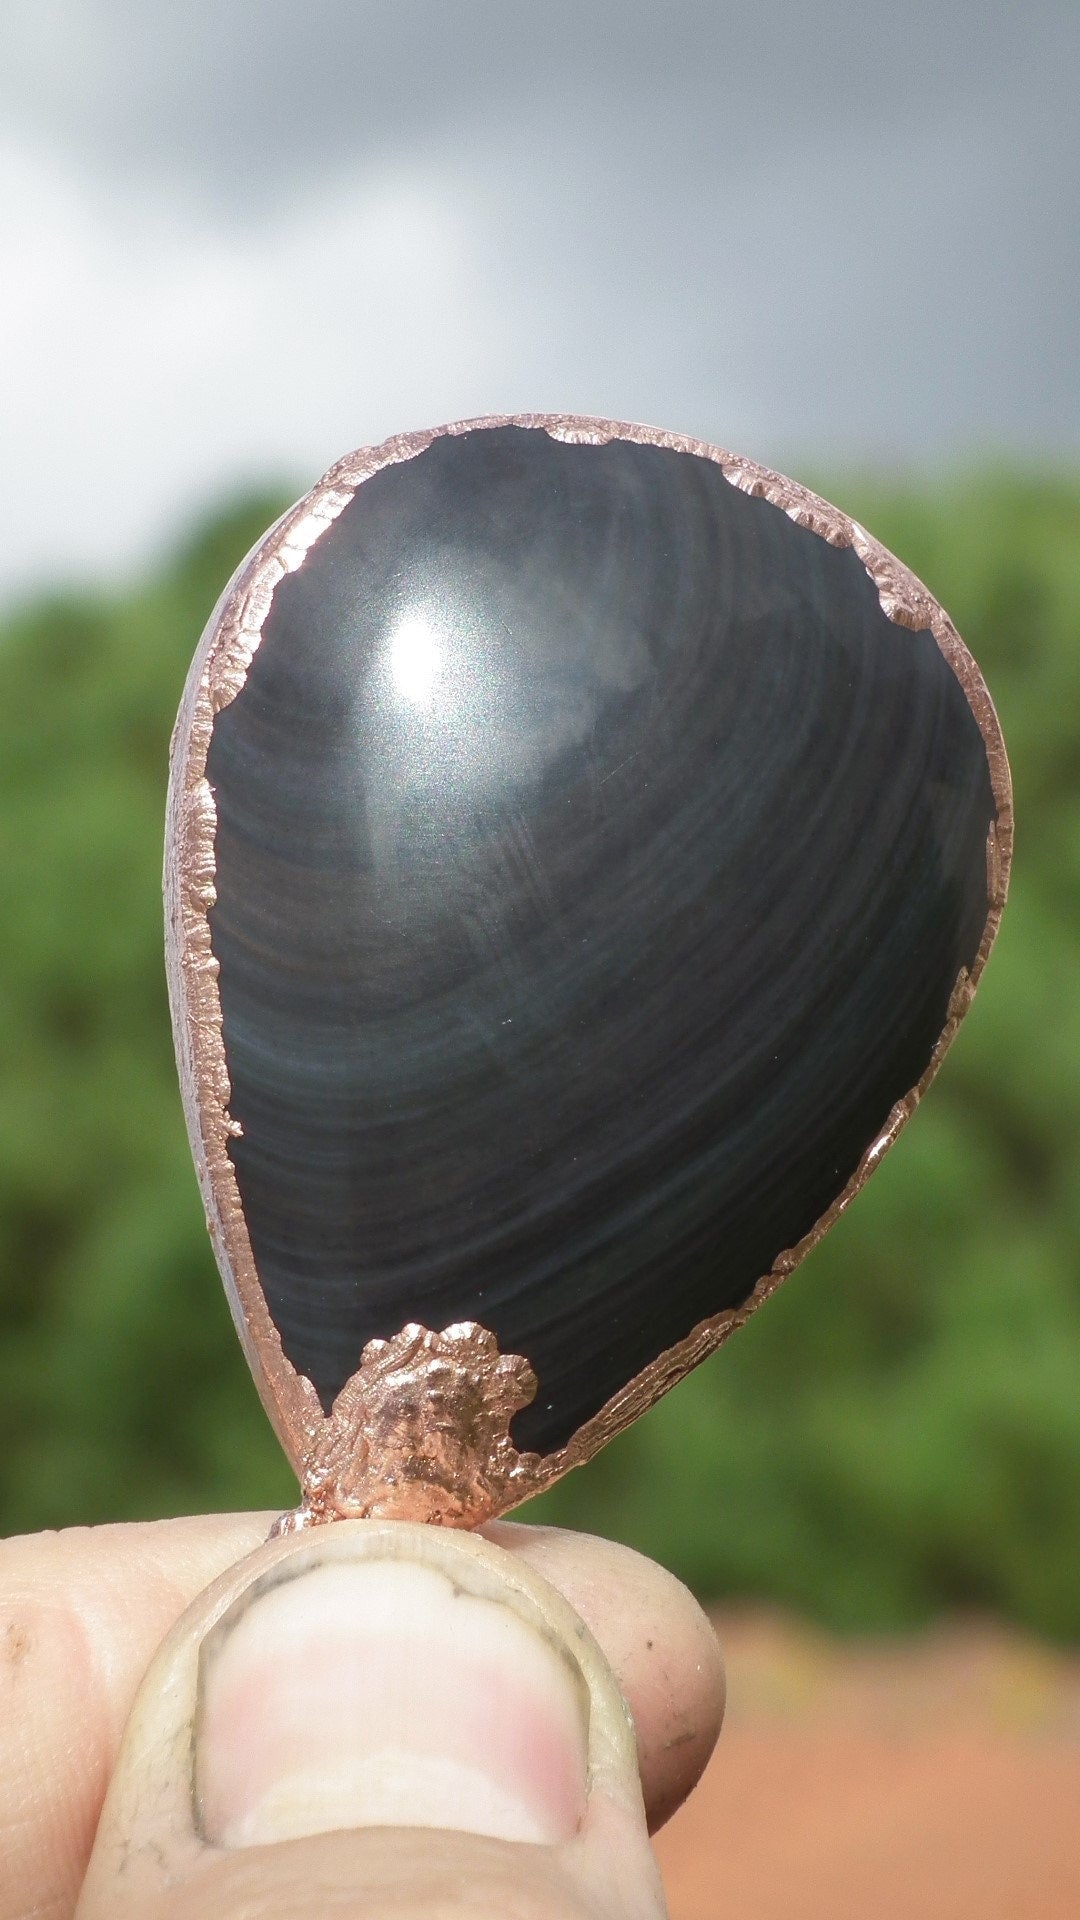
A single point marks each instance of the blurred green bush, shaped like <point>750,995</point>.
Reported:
<point>897,1433</point>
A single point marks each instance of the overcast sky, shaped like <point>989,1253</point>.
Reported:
<point>238,237</point>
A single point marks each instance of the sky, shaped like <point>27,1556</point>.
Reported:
<point>240,237</point>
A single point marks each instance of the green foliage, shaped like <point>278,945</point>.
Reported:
<point>122,1391</point>
<point>899,1431</point>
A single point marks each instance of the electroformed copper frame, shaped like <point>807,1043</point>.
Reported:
<point>421,1430</point>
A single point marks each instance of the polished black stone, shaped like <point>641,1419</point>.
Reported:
<point>594,863</point>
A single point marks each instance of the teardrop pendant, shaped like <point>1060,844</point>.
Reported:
<point>583,845</point>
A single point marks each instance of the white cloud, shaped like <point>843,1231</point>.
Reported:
<point>225,256</point>
<point>147,366</point>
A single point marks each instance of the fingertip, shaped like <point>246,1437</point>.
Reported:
<point>376,1675</point>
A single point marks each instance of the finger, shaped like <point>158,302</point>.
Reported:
<point>82,1612</point>
<point>81,1615</point>
<point>376,1718</point>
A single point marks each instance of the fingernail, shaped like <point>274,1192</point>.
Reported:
<point>374,1689</point>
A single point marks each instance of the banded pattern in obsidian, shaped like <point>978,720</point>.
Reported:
<point>595,861</point>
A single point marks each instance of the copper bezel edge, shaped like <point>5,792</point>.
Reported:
<point>351,1463</point>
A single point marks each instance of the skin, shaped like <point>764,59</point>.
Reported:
<point>83,1615</point>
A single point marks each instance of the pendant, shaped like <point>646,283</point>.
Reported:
<point>582,847</point>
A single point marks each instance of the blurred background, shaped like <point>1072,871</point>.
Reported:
<point>240,237</point>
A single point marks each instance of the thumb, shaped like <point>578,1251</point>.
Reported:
<point>376,1719</point>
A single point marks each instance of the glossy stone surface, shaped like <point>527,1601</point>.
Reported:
<point>594,864</point>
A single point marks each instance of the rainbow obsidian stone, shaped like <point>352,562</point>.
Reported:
<point>583,844</point>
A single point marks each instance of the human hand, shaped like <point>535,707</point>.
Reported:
<point>319,1695</point>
